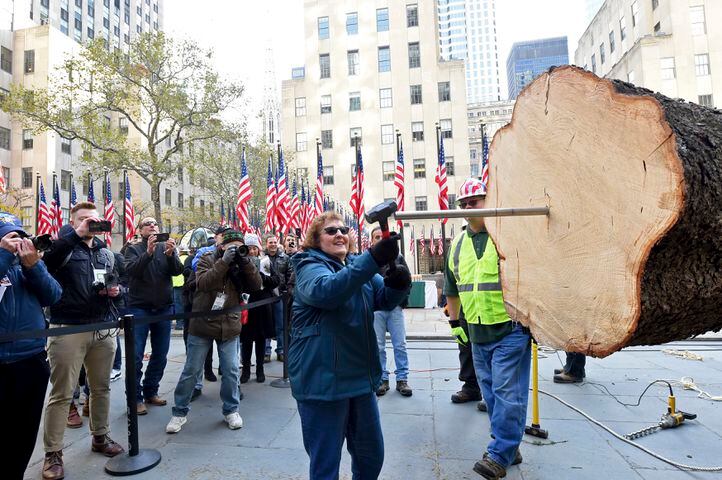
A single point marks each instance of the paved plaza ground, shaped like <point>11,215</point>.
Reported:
<point>428,437</point>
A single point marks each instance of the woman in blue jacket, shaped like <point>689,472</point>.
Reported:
<point>333,358</point>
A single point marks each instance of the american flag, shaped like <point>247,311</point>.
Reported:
<point>283,217</point>
<point>56,212</point>
<point>91,192</point>
<point>2,182</point>
<point>73,195</point>
<point>399,181</point>
<point>432,247</point>
<point>319,183</point>
<point>365,243</point>
<point>441,179</point>
<point>485,161</point>
<point>270,200</point>
<point>244,194</point>
<point>357,191</point>
<point>302,212</point>
<point>129,212</point>
<point>440,245</point>
<point>295,208</point>
<point>412,243</point>
<point>109,213</point>
<point>45,222</point>
<point>422,248</point>
<point>223,215</point>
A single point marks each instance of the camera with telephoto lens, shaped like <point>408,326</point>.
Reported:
<point>110,280</point>
<point>41,243</point>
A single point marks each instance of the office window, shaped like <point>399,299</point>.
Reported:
<point>668,68</point>
<point>355,136</point>
<point>414,55</point>
<point>449,166</point>
<point>354,101</point>
<point>417,131</point>
<point>6,60</point>
<point>325,103</point>
<point>382,20</point>
<point>27,139</point>
<point>445,125</point>
<point>300,106</point>
<point>324,61</point>
<point>27,177</point>
<point>192,202</point>
<point>65,146</point>
<point>412,15</point>
<point>29,61</point>
<point>452,201</point>
<point>27,217</point>
<point>167,196</point>
<point>474,172</point>
<point>202,204</point>
<point>180,200</point>
<point>123,125</point>
<point>326,138</point>
<point>65,180</point>
<point>622,29</point>
<point>385,100</point>
<point>328,175</point>
<point>602,56</point>
<point>472,154</point>
<point>635,13</point>
<point>179,173</point>
<point>611,42</point>
<point>322,28</point>
<point>415,94</point>
<point>444,91</point>
<point>594,63</point>
<point>384,59</point>
<point>419,168</point>
<point>705,101</point>
<point>389,171</point>
<point>655,4</point>
<point>352,23</point>
<point>697,19</point>
<point>701,64</point>
<point>91,33</point>
<point>421,204</point>
<point>301,143</point>
<point>387,134</point>
<point>353,62</point>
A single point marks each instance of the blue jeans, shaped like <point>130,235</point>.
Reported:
<point>503,371</point>
<point>277,311</point>
<point>178,305</point>
<point>228,352</point>
<point>159,344</point>
<point>393,322</point>
<point>325,425</point>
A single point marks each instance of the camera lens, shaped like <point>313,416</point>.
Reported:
<point>242,250</point>
<point>42,243</point>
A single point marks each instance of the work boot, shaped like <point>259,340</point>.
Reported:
<point>86,408</point>
<point>489,469</point>
<point>210,376</point>
<point>53,466</point>
<point>260,375</point>
<point>245,373</point>
<point>383,389</point>
<point>566,377</point>
<point>403,388</point>
<point>141,409</point>
<point>105,445</point>
<point>155,400</point>
<point>517,458</point>
<point>481,406</point>
<point>557,371</point>
<point>267,358</point>
<point>463,396</point>
<point>196,393</point>
<point>74,420</point>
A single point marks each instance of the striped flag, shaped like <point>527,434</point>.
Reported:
<point>422,248</point>
<point>412,243</point>
<point>45,222</point>
<point>319,182</point>
<point>357,191</point>
<point>56,213</point>
<point>441,179</point>
<point>283,217</point>
<point>109,213</point>
<point>129,212</point>
<point>3,188</point>
<point>270,200</point>
<point>91,192</point>
<point>223,214</point>
<point>440,245</point>
<point>73,195</point>
<point>399,181</point>
<point>295,210</point>
<point>302,212</point>
<point>432,247</point>
<point>244,195</point>
<point>485,161</point>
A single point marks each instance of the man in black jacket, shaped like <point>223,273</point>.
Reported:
<point>282,265</point>
<point>82,266</point>
<point>151,266</point>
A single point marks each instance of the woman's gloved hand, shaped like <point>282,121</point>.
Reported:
<point>386,250</point>
<point>398,278</point>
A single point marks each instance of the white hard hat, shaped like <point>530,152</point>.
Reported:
<point>472,187</point>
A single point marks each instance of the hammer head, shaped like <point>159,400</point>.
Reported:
<point>381,212</point>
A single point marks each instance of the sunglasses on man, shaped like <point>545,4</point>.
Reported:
<point>332,230</point>
<point>149,224</point>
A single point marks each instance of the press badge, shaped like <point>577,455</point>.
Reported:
<point>4,285</point>
<point>99,275</point>
<point>220,301</point>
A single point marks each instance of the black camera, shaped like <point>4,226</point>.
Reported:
<point>161,237</point>
<point>110,280</point>
<point>98,227</point>
<point>42,242</point>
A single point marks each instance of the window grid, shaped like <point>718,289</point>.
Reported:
<point>705,101</point>
<point>327,175</point>
<point>421,204</point>
<point>300,106</point>
<point>326,139</point>
<point>412,15</point>
<point>384,59</point>
<point>445,125</point>
<point>668,68</point>
<point>385,98</point>
<point>354,101</point>
<point>352,23</point>
<point>382,20</point>
<point>389,171</point>
<point>325,103</point>
<point>697,19</point>
<point>444,91</point>
<point>301,143</point>
<point>324,61</point>
<point>387,134</point>
<point>415,91</point>
<point>322,28</point>
<point>419,168</point>
<point>414,55</point>
<point>417,131</point>
<point>701,64</point>
<point>353,62</point>
<point>355,135</point>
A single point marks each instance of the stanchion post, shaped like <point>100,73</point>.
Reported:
<point>284,382</point>
<point>136,460</point>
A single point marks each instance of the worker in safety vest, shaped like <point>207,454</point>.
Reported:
<point>500,347</point>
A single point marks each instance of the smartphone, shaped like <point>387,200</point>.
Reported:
<point>162,237</point>
<point>101,226</point>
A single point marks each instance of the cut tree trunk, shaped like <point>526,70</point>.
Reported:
<point>631,252</point>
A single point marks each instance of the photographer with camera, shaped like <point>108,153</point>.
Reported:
<point>222,276</point>
<point>86,270</point>
<point>151,265</point>
<point>25,288</point>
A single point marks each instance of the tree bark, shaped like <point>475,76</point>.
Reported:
<point>155,198</point>
<point>631,252</point>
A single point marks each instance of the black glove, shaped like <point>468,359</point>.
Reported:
<point>229,254</point>
<point>399,278</point>
<point>386,250</point>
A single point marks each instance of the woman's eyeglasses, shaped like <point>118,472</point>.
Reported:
<point>148,224</point>
<point>333,230</point>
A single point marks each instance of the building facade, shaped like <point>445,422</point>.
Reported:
<point>489,118</point>
<point>667,46</point>
<point>467,31</point>
<point>527,60</point>
<point>370,73</point>
<point>591,7</point>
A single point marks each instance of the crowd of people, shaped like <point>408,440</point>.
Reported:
<point>342,305</point>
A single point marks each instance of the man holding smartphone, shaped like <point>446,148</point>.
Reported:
<point>151,265</point>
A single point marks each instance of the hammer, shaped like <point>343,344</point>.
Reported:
<point>381,213</point>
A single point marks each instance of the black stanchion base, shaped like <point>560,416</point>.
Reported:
<point>123,464</point>
<point>281,383</point>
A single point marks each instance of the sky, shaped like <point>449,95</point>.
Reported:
<point>240,31</point>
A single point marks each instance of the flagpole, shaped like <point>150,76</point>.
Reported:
<point>358,198</point>
<point>90,183</point>
<point>37,201</point>
<point>70,196</point>
<point>105,194</point>
<point>443,224</point>
<point>125,204</point>
<point>55,209</point>
<point>398,151</point>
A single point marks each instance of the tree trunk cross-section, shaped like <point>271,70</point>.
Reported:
<point>631,252</point>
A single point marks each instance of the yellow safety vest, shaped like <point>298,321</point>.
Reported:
<point>477,281</point>
<point>179,279</point>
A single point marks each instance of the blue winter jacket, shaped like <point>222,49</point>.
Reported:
<point>333,353</point>
<point>21,305</point>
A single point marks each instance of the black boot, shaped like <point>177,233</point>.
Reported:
<point>246,373</point>
<point>260,376</point>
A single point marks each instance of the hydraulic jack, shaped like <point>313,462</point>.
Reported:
<point>672,419</point>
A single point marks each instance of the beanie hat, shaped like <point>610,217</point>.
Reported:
<point>232,236</point>
<point>10,223</point>
<point>251,240</point>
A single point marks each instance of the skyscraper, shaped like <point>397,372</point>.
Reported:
<point>467,31</point>
<point>529,59</point>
